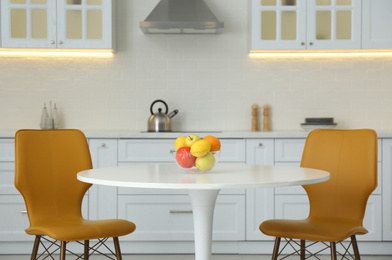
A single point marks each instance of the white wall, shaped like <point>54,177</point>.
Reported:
<point>209,78</point>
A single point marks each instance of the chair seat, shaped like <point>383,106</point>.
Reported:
<point>82,229</point>
<point>326,230</point>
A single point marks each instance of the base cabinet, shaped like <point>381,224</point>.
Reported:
<point>169,217</point>
<point>163,217</point>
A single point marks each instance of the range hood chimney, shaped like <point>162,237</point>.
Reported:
<point>181,16</point>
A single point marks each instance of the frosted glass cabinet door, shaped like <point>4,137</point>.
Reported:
<point>278,24</point>
<point>376,24</point>
<point>85,24</point>
<point>334,24</point>
<point>28,23</point>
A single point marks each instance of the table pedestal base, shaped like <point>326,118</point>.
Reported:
<point>203,205</point>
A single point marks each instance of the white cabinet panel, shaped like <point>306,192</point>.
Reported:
<point>376,21</point>
<point>260,151</point>
<point>145,150</point>
<point>289,150</point>
<point>7,150</point>
<point>103,199</point>
<point>260,207</point>
<point>14,219</point>
<point>387,189</point>
<point>232,151</point>
<point>7,178</point>
<point>169,218</point>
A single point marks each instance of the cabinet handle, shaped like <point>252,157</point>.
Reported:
<point>103,145</point>
<point>260,144</point>
<point>60,42</point>
<point>181,211</point>
<point>310,43</point>
<point>23,212</point>
<point>172,151</point>
<point>302,43</point>
<point>51,42</point>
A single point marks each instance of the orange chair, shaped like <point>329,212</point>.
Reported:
<point>46,164</point>
<point>337,206</point>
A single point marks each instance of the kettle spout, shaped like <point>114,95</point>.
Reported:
<point>173,113</point>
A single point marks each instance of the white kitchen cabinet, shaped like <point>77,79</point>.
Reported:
<point>102,203</point>
<point>67,24</point>
<point>259,202</point>
<point>376,21</point>
<point>169,217</point>
<point>387,189</point>
<point>301,25</point>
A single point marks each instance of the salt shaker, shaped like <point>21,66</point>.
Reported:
<point>266,119</point>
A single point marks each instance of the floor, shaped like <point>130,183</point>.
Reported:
<point>192,257</point>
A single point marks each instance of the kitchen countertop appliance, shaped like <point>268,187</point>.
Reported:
<point>160,121</point>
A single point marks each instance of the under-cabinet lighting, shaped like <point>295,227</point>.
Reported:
<point>288,54</point>
<point>56,52</point>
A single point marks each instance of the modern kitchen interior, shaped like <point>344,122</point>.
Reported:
<point>255,78</point>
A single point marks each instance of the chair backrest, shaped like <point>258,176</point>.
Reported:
<point>350,156</point>
<point>46,164</point>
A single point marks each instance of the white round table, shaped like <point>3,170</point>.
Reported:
<point>203,188</point>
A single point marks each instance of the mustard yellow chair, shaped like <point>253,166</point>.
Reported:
<point>337,206</point>
<point>46,164</point>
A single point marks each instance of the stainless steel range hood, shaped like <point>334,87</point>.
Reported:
<point>181,16</point>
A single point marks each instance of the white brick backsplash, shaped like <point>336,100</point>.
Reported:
<point>209,78</point>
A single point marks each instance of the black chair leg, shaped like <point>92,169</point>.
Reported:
<point>302,249</point>
<point>35,247</point>
<point>86,249</point>
<point>117,248</point>
<point>63,250</point>
<point>355,247</point>
<point>275,253</point>
<point>333,251</point>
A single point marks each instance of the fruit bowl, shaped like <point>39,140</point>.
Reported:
<point>186,161</point>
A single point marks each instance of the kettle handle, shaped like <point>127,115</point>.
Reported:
<point>159,100</point>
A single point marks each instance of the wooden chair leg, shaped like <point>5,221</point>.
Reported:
<point>86,249</point>
<point>35,247</point>
<point>63,250</point>
<point>117,248</point>
<point>355,247</point>
<point>302,249</point>
<point>275,253</point>
<point>333,251</point>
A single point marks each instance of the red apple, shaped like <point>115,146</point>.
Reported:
<point>184,157</point>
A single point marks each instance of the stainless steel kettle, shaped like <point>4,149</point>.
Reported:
<point>160,122</point>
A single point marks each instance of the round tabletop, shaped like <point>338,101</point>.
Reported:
<point>222,176</point>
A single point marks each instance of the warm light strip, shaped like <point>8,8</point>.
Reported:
<point>320,54</point>
<point>54,53</point>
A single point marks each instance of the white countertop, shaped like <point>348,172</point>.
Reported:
<point>224,134</point>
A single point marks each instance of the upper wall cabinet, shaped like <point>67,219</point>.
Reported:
<point>67,24</point>
<point>300,24</point>
<point>376,24</point>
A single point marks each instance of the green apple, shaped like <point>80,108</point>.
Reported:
<point>206,162</point>
<point>191,139</point>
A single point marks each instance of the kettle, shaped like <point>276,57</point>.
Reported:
<point>160,122</point>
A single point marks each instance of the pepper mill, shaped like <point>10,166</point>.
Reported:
<point>266,119</point>
<point>254,118</point>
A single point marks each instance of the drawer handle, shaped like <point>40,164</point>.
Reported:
<point>181,211</point>
<point>260,144</point>
<point>23,212</point>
